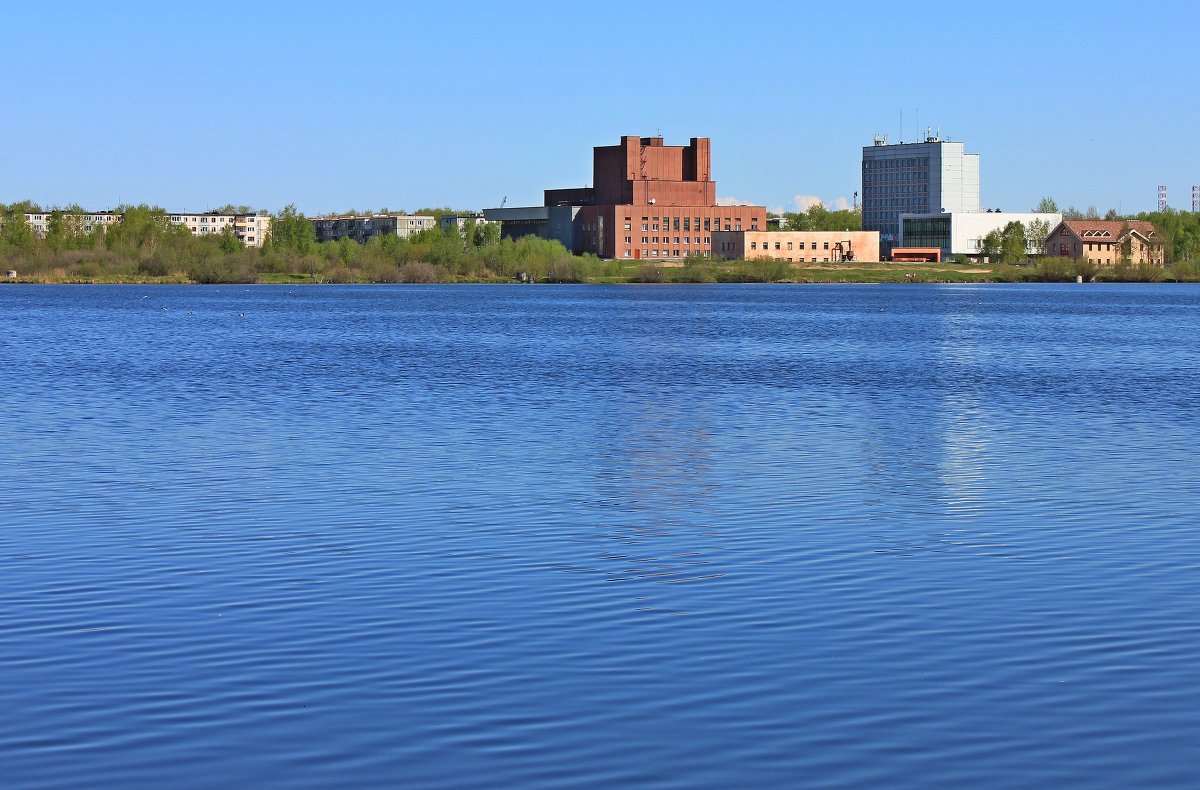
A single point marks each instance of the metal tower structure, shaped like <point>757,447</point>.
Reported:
<point>1162,198</point>
<point>1195,199</point>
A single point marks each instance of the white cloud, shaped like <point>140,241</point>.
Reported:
<point>804,202</point>
<point>841,204</point>
<point>732,201</point>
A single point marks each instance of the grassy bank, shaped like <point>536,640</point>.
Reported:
<point>579,270</point>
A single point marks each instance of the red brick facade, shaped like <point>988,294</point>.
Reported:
<point>652,201</point>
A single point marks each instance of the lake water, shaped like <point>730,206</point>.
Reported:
<point>640,535</point>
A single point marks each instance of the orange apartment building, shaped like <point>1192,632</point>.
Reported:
<point>648,201</point>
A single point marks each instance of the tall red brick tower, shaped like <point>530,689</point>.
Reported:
<point>650,200</point>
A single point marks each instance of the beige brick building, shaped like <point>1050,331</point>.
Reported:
<point>1106,242</point>
<point>250,229</point>
<point>798,246</point>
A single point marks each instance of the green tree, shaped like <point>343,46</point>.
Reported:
<point>1046,206</point>
<point>15,232</point>
<point>1036,233</point>
<point>57,231</point>
<point>1012,243</point>
<point>991,245</point>
<point>291,232</point>
<point>229,242</point>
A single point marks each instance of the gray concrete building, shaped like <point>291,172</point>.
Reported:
<point>548,222</point>
<point>460,223</point>
<point>934,176</point>
<point>362,227</point>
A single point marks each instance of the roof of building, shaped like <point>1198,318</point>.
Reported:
<point>1109,228</point>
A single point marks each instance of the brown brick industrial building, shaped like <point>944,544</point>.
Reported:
<point>648,200</point>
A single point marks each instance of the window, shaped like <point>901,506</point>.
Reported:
<point>656,226</point>
<point>814,246</point>
<point>687,223</point>
<point>645,226</point>
<point>754,245</point>
<point>676,224</point>
<point>645,239</point>
<point>629,239</point>
<point>776,245</point>
<point>706,220</point>
<point>789,247</point>
<point>628,226</point>
<point>676,253</point>
<point>653,253</point>
<point>826,245</point>
<point>677,238</point>
<point>626,253</point>
<point>1063,232</point>
<point>656,239</point>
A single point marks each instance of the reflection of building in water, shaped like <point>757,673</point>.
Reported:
<point>925,429</point>
<point>653,526</point>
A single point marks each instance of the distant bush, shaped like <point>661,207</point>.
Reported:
<point>649,273</point>
<point>223,269</point>
<point>419,272</point>
<point>764,270</point>
<point>1055,270</point>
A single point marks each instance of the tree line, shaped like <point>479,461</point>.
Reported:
<point>817,217</point>
<point>146,245</point>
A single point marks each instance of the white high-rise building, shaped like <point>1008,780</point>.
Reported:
<point>915,178</point>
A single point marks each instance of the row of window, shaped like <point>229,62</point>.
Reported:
<point>767,245</point>
<point>709,224</point>
<point>896,164</point>
<point>899,189</point>
<point>667,240</point>
<point>648,253</point>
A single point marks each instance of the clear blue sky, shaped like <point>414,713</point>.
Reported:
<point>403,104</point>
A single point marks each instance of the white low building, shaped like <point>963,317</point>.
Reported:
<point>962,232</point>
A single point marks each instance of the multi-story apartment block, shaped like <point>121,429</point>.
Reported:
<point>364,226</point>
<point>648,200</point>
<point>935,176</point>
<point>76,221</point>
<point>250,229</point>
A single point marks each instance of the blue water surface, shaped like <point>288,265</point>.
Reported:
<point>459,536</point>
